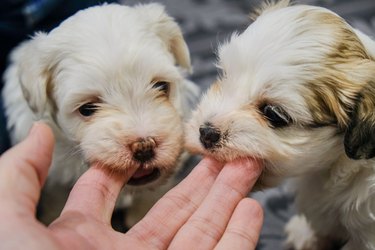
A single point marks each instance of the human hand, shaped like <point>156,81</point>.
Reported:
<point>206,210</point>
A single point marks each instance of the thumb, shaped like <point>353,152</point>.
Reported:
<point>24,168</point>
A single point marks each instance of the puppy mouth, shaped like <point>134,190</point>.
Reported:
<point>143,176</point>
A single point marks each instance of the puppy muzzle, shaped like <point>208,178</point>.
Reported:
<point>144,151</point>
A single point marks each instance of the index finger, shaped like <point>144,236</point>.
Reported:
<point>96,192</point>
<point>207,225</point>
<point>158,228</point>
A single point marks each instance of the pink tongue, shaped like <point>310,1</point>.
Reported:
<point>141,172</point>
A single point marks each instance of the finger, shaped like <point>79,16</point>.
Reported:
<point>206,226</point>
<point>24,168</point>
<point>159,226</point>
<point>244,227</point>
<point>96,192</point>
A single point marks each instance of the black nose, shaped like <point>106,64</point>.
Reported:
<point>143,156</point>
<point>210,136</point>
<point>143,149</point>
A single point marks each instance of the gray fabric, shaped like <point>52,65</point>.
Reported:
<point>205,24</point>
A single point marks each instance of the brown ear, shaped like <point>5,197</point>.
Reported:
<point>168,30</point>
<point>359,139</point>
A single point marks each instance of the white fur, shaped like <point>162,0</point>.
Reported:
<point>274,59</point>
<point>109,53</point>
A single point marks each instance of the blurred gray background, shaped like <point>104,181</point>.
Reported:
<point>206,23</point>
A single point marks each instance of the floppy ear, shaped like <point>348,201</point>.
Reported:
<point>32,72</point>
<point>359,139</point>
<point>168,30</point>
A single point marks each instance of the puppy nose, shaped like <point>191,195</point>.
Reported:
<point>209,136</point>
<point>143,149</point>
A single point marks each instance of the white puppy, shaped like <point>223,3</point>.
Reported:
<point>110,82</point>
<point>297,91</point>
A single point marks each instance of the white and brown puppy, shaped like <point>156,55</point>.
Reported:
<point>110,81</point>
<point>297,91</point>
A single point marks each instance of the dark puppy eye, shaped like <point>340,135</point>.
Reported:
<point>162,86</point>
<point>275,115</point>
<point>88,109</point>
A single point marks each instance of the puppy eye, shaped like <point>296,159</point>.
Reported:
<point>162,86</point>
<point>88,109</point>
<point>275,115</point>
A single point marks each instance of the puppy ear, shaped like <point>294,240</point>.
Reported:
<point>359,138</point>
<point>169,32</point>
<point>33,73</point>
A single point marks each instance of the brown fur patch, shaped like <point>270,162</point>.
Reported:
<point>216,87</point>
<point>334,92</point>
<point>360,136</point>
<point>331,99</point>
<point>143,144</point>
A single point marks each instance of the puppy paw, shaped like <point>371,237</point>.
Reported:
<point>300,235</point>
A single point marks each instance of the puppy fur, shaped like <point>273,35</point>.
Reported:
<point>297,91</point>
<point>119,60</point>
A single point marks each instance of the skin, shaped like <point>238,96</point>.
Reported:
<point>207,210</point>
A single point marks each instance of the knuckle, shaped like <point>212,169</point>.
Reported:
<point>206,227</point>
<point>243,235</point>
